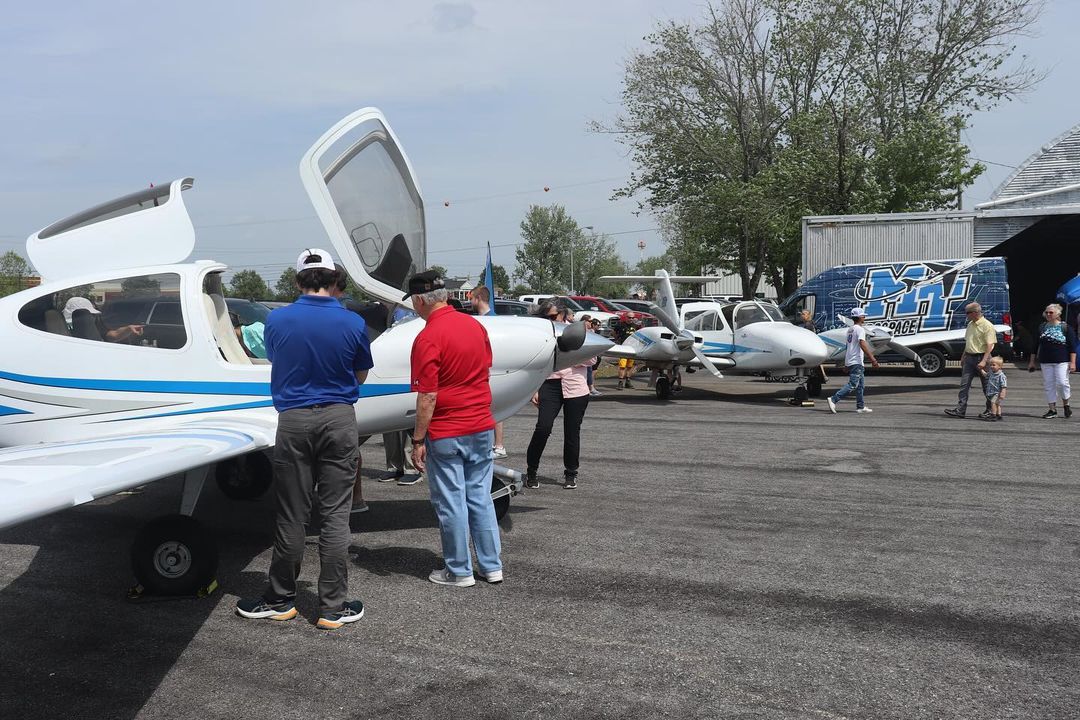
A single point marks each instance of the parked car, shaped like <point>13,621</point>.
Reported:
<point>503,307</point>
<point>623,314</point>
<point>534,299</point>
<point>249,311</point>
<point>160,316</point>
<point>273,304</point>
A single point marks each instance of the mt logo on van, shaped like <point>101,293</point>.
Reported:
<point>912,297</point>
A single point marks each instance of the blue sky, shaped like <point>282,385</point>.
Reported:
<point>490,99</point>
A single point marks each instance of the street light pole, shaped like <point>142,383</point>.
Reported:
<point>572,278</point>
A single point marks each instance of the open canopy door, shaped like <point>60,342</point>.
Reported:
<point>366,195</point>
<point>149,227</point>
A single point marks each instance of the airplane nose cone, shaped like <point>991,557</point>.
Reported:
<point>590,346</point>
<point>808,352</point>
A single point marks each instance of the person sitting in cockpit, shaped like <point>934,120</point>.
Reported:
<point>97,330</point>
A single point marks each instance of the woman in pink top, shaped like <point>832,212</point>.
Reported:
<point>566,390</point>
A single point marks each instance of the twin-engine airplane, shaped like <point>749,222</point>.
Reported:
<point>747,338</point>
<point>123,367</point>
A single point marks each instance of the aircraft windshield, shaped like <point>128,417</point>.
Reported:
<point>750,313</point>
<point>702,320</point>
<point>382,214</point>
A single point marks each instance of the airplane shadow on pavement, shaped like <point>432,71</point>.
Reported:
<point>72,645</point>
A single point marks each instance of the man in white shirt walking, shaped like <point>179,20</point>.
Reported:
<point>853,359</point>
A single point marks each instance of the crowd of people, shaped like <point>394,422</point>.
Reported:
<point>1054,352</point>
<point>320,352</point>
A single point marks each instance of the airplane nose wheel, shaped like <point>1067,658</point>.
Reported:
<point>663,388</point>
<point>173,555</point>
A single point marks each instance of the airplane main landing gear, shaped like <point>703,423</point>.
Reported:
<point>174,555</point>
<point>663,388</point>
<point>813,387</point>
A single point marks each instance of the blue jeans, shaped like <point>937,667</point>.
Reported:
<point>459,477</point>
<point>857,382</point>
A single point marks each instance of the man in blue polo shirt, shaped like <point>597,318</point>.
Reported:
<point>320,355</point>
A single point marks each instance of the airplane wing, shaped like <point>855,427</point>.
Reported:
<point>36,480</point>
<point>620,351</point>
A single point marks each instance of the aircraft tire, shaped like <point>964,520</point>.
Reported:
<point>174,555</point>
<point>502,504</point>
<point>663,388</point>
<point>931,362</point>
<point>813,387</point>
<point>244,478</point>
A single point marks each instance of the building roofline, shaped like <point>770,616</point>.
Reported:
<point>996,195</point>
<point>876,217</point>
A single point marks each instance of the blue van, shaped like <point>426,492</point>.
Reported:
<point>920,301</point>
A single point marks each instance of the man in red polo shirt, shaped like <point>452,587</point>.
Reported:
<point>454,433</point>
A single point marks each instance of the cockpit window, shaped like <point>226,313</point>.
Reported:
<point>750,313</point>
<point>143,310</point>
<point>702,320</point>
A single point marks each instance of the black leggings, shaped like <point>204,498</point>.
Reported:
<point>551,401</point>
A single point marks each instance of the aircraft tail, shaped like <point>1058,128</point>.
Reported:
<point>669,313</point>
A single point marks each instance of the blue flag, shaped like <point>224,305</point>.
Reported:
<point>490,282</point>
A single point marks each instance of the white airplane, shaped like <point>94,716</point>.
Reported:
<point>748,337</point>
<point>147,379</point>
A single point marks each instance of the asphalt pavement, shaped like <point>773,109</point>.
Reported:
<point>725,555</point>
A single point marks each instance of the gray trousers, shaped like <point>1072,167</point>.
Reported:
<point>969,370</point>
<point>314,455</point>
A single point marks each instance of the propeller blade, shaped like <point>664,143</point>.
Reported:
<point>669,322</point>
<point>707,363</point>
<point>903,350</point>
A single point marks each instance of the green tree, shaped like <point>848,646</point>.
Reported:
<point>14,269</point>
<point>499,277</point>
<point>249,285</point>
<point>594,256</point>
<point>767,110</point>
<point>519,290</point>
<point>543,260</point>
<point>140,286</point>
<point>285,289</point>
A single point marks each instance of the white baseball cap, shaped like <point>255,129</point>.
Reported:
<point>79,303</point>
<point>307,260</point>
<point>857,312</point>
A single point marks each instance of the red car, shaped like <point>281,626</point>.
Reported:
<point>625,314</point>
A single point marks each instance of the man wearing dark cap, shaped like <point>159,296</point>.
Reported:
<point>454,432</point>
<point>320,355</point>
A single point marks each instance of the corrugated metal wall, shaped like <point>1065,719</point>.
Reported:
<point>991,232</point>
<point>828,242</point>
<point>732,285</point>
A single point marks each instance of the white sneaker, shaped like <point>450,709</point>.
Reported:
<point>832,406</point>
<point>492,577</point>
<point>443,577</point>
<point>500,451</point>
<point>863,410</point>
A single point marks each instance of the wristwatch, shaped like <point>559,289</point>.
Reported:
<point>416,441</point>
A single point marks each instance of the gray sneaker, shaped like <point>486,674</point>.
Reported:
<point>443,577</point>
<point>411,479</point>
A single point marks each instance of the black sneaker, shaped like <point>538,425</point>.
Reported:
<point>260,609</point>
<point>1068,411</point>
<point>986,415</point>
<point>569,482</point>
<point>1049,415</point>
<point>531,480</point>
<point>350,612</point>
<point>953,412</point>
